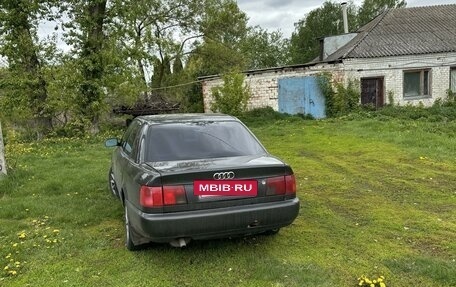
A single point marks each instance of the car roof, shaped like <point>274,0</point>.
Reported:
<point>176,118</point>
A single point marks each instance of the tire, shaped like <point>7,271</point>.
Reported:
<point>129,233</point>
<point>112,184</point>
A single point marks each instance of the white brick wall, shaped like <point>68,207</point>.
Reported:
<point>392,69</point>
<point>264,84</point>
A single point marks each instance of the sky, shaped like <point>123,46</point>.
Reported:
<point>282,14</point>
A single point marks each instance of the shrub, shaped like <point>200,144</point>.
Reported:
<point>232,97</point>
<point>341,101</point>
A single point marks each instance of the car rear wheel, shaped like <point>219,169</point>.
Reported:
<point>112,184</point>
<point>129,232</point>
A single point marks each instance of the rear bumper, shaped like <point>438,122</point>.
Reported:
<point>213,223</point>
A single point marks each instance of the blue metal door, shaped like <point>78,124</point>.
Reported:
<point>301,95</point>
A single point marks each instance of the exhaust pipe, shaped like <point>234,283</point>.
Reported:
<point>180,242</point>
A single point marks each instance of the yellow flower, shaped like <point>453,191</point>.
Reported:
<point>22,235</point>
<point>372,285</point>
<point>12,272</point>
<point>382,284</point>
<point>56,231</point>
<point>6,268</point>
<point>15,244</point>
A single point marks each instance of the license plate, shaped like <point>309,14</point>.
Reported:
<point>225,187</point>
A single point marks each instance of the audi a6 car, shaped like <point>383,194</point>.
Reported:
<point>198,176</point>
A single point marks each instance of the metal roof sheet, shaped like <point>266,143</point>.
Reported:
<point>404,31</point>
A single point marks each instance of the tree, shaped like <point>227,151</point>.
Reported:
<point>321,22</point>
<point>232,97</point>
<point>88,36</point>
<point>151,30</point>
<point>25,85</point>
<point>265,49</point>
<point>371,8</point>
<point>224,27</point>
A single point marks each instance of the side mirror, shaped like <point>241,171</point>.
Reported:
<point>112,142</point>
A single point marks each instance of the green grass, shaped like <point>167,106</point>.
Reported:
<point>378,198</point>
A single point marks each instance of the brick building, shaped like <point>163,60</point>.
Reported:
<point>404,55</point>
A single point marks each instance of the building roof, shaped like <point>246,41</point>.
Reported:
<point>404,31</point>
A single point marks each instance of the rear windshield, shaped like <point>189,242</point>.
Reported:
<point>199,140</point>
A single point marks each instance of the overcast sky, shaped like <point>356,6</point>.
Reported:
<point>282,14</point>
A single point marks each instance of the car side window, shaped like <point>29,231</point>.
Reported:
<point>131,139</point>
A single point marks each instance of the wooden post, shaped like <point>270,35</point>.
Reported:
<point>2,154</point>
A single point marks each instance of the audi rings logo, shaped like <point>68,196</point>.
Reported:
<point>223,175</point>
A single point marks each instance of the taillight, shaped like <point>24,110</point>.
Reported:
<point>290,184</point>
<point>275,185</point>
<point>174,195</point>
<point>157,196</point>
<point>281,185</point>
<point>151,196</point>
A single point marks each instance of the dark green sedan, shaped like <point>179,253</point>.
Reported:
<point>198,176</point>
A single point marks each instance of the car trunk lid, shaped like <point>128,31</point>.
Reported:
<point>259,169</point>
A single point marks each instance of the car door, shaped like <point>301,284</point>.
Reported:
<point>129,163</point>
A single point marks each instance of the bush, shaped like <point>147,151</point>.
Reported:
<point>232,97</point>
<point>341,101</point>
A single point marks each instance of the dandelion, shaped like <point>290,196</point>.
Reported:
<point>56,231</point>
<point>14,244</point>
<point>6,267</point>
<point>12,272</point>
<point>22,235</point>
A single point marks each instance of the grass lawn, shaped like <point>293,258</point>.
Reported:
<point>378,198</point>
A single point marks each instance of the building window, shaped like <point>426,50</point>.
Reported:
<point>417,83</point>
<point>453,79</point>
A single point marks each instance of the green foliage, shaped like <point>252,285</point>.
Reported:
<point>323,21</point>
<point>371,8</point>
<point>451,97</point>
<point>390,95</point>
<point>265,49</point>
<point>259,116</point>
<point>25,88</point>
<point>232,97</point>
<point>341,101</point>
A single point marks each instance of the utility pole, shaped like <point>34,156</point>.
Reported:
<point>2,154</point>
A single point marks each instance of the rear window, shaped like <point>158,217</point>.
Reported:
<point>199,140</point>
